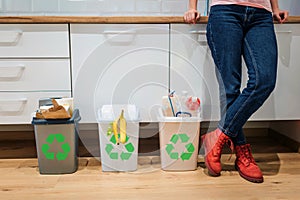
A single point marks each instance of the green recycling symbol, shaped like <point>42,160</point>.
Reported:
<point>115,155</point>
<point>60,155</point>
<point>186,155</point>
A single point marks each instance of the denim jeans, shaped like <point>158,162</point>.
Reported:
<point>233,32</point>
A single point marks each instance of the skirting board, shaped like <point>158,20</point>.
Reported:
<point>294,145</point>
<point>144,125</point>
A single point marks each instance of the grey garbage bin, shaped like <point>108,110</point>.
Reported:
<point>57,144</point>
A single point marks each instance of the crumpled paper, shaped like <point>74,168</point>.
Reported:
<point>55,112</point>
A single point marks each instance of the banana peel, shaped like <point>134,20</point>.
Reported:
<point>121,123</point>
<point>115,130</point>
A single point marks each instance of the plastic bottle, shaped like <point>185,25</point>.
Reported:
<point>184,98</point>
<point>193,104</point>
<point>170,105</point>
<point>183,110</point>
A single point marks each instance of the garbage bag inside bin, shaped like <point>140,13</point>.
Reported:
<point>111,112</point>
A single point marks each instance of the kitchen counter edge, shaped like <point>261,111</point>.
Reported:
<point>106,19</point>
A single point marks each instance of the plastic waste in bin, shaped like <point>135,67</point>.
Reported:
<point>57,144</point>
<point>179,141</point>
<point>122,156</point>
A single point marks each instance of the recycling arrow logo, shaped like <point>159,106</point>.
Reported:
<point>64,146</point>
<point>109,148</point>
<point>189,147</point>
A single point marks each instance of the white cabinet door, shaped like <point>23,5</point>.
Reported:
<point>283,103</point>
<point>192,67</point>
<point>287,92</point>
<point>119,64</point>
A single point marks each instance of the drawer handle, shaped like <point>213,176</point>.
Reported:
<point>120,36</point>
<point>11,73</point>
<point>284,32</point>
<point>10,37</point>
<point>284,39</point>
<point>116,32</point>
<point>198,32</point>
<point>12,106</point>
<point>201,36</point>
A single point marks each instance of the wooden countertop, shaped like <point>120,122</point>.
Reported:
<point>105,20</point>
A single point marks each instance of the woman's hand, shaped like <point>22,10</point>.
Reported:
<point>191,16</point>
<point>280,15</point>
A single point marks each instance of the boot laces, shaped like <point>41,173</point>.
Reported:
<point>222,142</point>
<point>245,154</point>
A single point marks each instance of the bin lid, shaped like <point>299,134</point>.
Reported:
<point>74,119</point>
<point>108,113</point>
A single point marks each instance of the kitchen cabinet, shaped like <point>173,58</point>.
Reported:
<point>127,64</point>
<point>287,92</point>
<point>119,64</point>
<point>34,64</point>
<point>283,103</point>
<point>192,69</point>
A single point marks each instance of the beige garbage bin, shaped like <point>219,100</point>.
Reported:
<point>179,141</point>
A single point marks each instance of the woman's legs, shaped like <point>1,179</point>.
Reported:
<point>233,32</point>
<point>260,55</point>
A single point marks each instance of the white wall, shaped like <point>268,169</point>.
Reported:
<point>293,6</point>
<point>113,7</point>
<point>97,7</point>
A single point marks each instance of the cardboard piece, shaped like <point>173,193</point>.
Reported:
<point>55,112</point>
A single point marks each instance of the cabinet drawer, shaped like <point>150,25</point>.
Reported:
<point>34,75</point>
<point>34,40</point>
<point>17,108</point>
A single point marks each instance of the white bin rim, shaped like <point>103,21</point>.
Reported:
<point>108,113</point>
<point>162,118</point>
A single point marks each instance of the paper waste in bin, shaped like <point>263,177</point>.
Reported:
<point>118,156</point>
<point>56,143</point>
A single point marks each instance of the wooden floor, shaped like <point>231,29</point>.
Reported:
<point>20,179</point>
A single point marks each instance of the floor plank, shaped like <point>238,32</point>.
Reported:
<point>20,179</point>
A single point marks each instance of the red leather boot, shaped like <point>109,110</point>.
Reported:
<point>213,144</point>
<point>246,165</point>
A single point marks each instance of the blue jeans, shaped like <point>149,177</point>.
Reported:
<point>233,32</point>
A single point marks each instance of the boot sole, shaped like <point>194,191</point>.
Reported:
<point>251,179</point>
<point>210,171</point>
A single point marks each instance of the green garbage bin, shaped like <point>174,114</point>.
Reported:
<point>57,144</point>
